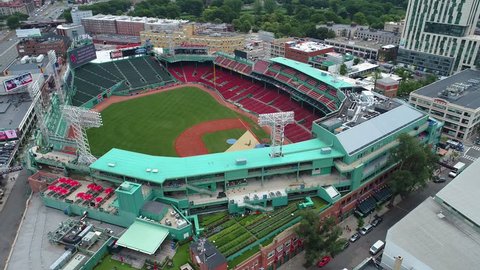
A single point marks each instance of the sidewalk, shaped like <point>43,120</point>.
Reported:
<point>7,189</point>
<point>349,225</point>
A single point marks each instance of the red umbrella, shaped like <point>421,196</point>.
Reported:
<point>91,186</point>
<point>80,195</point>
<point>108,190</point>
<point>52,187</point>
<point>98,199</point>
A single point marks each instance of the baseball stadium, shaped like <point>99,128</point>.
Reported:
<point>183,145</point>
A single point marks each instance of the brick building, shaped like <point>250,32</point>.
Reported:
<point>21,6</point>
<point>43,44</point>
<point>131,26</point>
<point>387,87</point>
<point>302,51</point>
<point>208,259</point>
<point>100,24</point>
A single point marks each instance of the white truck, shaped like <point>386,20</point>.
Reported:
<point>458,168</point>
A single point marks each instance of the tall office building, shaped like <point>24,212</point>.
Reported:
<point>439,35</point>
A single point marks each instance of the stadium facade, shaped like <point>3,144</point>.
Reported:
<point>344,161</point>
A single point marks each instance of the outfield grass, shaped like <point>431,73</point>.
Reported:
<point>151,124</point>
<point>216,142</point>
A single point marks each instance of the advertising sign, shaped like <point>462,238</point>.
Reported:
<point>116,54</point>
<point>16,82</point>
<point>81,55</point>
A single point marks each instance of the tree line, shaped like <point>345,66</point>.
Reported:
<point>282,17</point>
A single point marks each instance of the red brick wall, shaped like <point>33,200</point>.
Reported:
<point>302,56</point>
<point>129,28</point>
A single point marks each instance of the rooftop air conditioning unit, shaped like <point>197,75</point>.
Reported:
<point>241,161</point>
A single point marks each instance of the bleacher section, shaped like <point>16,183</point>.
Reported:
<point>308,86</point>
<point>91,80</point>
<point>233,64</point>
<point>252,95</point>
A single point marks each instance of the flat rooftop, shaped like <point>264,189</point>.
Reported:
<point>461,89</point>
<point>367,117</point>
<point>438,243</point>
<point>32,66</point>
<point>462,193</point>
<point>308,46</point>
<point>158,168</point>
<point>370,45</point>
<point>312,72</point>
<point>13,109</point>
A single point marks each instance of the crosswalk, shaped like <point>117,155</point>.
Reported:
<point>468,157</point>
<point>476,148</point>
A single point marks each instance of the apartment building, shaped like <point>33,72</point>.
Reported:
<point>439,36</point>
<point>454,101</point>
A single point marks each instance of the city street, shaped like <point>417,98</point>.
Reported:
<point>358,251</point>
<point>48,12</point>
<point>11,215</point>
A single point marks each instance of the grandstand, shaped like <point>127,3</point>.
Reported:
<point>268,87</point>
<point>93,82</point>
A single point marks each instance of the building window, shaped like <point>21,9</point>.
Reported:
<point>270,254</point>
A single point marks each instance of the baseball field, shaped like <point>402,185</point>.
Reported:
<point>151,124</point>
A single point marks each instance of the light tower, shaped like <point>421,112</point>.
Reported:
<point>52,60</point>
<point>277,123</point>
<point>81,119</point>
<point>36,95</point>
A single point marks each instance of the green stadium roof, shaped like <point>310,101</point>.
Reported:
<point>158,168</point>
<point>312,72</point>
<point>143,236</point>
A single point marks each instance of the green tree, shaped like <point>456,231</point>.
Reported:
<point>193,7</point>
<point>321,237</point>
<point>257,7</point>
<point>235,5</point>
<point>360,18</point>
<point>356,61</point>
<point>270,6</point>
<point>13,22</point>
<point>343,69</point>
<point>416,164</point>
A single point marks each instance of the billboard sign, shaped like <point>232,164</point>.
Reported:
<point>134,51</point>
<point>81,55</point>
<point>116,54</point>
<point>240,54</point>
<point>18,81</point>
<point>128,52</point>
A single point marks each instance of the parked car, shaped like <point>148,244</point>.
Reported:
<point>324,261</point>
<point>354,237</point>
<point>377,220</point>
<point>366,229</point>
<point>346,245</point>
<point>439,179</point>
<point>377,247</point>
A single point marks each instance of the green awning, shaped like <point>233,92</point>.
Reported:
<point>143,236</point>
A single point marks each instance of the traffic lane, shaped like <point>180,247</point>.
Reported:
<point>11,215</point>
<point>359,250</point>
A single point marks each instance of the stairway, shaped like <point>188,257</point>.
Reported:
<point>201,190</point>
